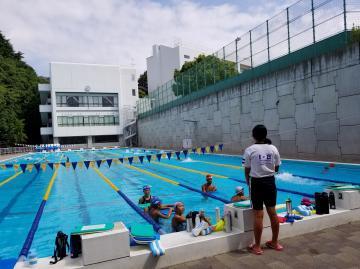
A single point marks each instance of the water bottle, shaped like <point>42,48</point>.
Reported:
<point>197,220</point>
<point>31,259</point>
<point>228,222</point>
<point>332,200</point>
<point>189,225</point>
<point>288,206</point>
<point>217,214</point>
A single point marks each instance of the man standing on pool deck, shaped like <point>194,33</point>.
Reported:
<point>261,162</point>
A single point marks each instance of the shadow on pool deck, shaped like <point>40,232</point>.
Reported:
<point>337,247</point>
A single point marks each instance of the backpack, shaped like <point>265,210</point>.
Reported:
<point>75,245</point>
<point>61,242</point>
<point>192,215</point>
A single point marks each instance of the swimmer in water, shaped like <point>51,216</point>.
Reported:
<point>178,222</point>
<point>239,196</point>
<point>208,186</point>
<point>155,211</point>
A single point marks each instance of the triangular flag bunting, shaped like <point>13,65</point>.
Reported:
<point>37,166</point>
<point>80,165</point>
<point>67,164</point>
<point>98,162</point>
<point>57,165</point>
<point>169,155</point>
<point>74,164</point>
<point>212,148</point>
<point>216,148</point>
<point>9,165</point>
<point>185,151</point>
<point>198,150</point>
<point>43,167</point>
<point>51,165</point>
<point>163,155</point>
<point>177,155</point>
<point>221,146</point>
<point>130,159</point>
<point>16,167</point>
<point>109,162</point>
<point>121,160</point>
<point>23,167</point>
<point>148,157</point>
<point>87,163</point>
<point>207,149</point>
<point>30,167</point>
<point>63,164</point>
<point>141,159</point>
<point>158,156</point>
<point>193,150</point>
<point>3,166</point>
<point>203,150</point>
<point>116,161</point>
<point>92,164</point>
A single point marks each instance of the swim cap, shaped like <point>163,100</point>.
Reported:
<point>177,204</point>
<point>156,202</point>
<point>239,189</point>
<point>146,187</point>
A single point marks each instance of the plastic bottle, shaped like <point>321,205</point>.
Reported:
<point>197,220</point>
<point>288,206</point>
<point>217,214</point>
<point>228,222</point>
<point>189,225</point>
<point>332,200</point>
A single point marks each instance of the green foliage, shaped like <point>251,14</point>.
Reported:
<point>355,34</point>
<point>143,85</point>
<point>203,71</point>
<point>19,98</point>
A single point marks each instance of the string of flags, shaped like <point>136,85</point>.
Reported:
<point>97,163</point>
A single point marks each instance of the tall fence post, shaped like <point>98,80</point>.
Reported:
<point>267,37</point>
<point>313,20</point>
<point>236,54</point>
<point>251,57</point>
<point>288,29</point>
<point>345,22</point>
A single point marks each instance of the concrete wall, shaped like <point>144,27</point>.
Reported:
<point>312,111</point>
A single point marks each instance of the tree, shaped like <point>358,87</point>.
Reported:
<point>203,71</point>
<point>143,85</point>
<point>19,98</point>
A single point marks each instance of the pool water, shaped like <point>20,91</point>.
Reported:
<point>82,197</point>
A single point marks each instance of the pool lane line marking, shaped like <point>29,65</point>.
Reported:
<point>138,210</point>
<point>189,170</point>
<point>177,183</point>
<point>152,174</point>
<point>231,178</point>
<point>10,178</point>
<point>222,165</point>
<point>30,237</point>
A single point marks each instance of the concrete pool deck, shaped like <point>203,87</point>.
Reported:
<point>336,247</point>
<point>183,247</point>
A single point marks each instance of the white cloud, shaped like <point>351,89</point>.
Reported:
<point>119,32</point>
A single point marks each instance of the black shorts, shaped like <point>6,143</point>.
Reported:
<point>263,191</point>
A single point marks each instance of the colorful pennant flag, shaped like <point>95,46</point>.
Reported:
<point>148,157</point>
<point>216,148</point>
<point>51,165</point>
<point>3,166</point>
<point>80,165</point>
<point>63,164</point>
<point>158,156</point>
<point>193,150</point>
<point>177,155</point>
<point>212,148</point>
<point>169,155</point>
<point>74,164</point>
<point>109,161</point>
<point>130,159</point>
<point>198,150</point>
<point>37,166</point>
<point>16,167</point>
<point>9,165</point>
<point>121,160</point>
<point>23,167</point>
<point>207,149</point>
<point>57,165</point>
<point>43,167</point>
<point>98,162</point>
<point>141,159</point>
<point>30,167</point>
<point>185,151</point>
<point>92,164</point>
<point>87,164</point>
<point>221,146</point>
<point>203,150</point>
<point>67,165</point>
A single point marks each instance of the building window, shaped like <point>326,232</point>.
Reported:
<point>87,120</point>
<point>186,56</point>
<point>86,100</point>
<point>133,92</point>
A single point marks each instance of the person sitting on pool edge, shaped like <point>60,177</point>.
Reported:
<point>239,196</point>
<point>155,210</point>
<point>178,222</point>
<point>208,186</point>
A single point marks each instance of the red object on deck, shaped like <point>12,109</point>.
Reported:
<point>331,165</point>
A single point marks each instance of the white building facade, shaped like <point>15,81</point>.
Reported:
<point>87,104</point>
<point>162,64</point>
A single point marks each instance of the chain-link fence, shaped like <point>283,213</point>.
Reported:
<point>302,24</point>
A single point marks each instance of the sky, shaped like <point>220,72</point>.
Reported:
<point>122,32</point>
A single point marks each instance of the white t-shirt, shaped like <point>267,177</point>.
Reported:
<point>261,159</point>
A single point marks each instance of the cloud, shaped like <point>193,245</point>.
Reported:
<point>121,32</point>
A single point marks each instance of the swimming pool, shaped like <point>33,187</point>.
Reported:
<point>83,196</point>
